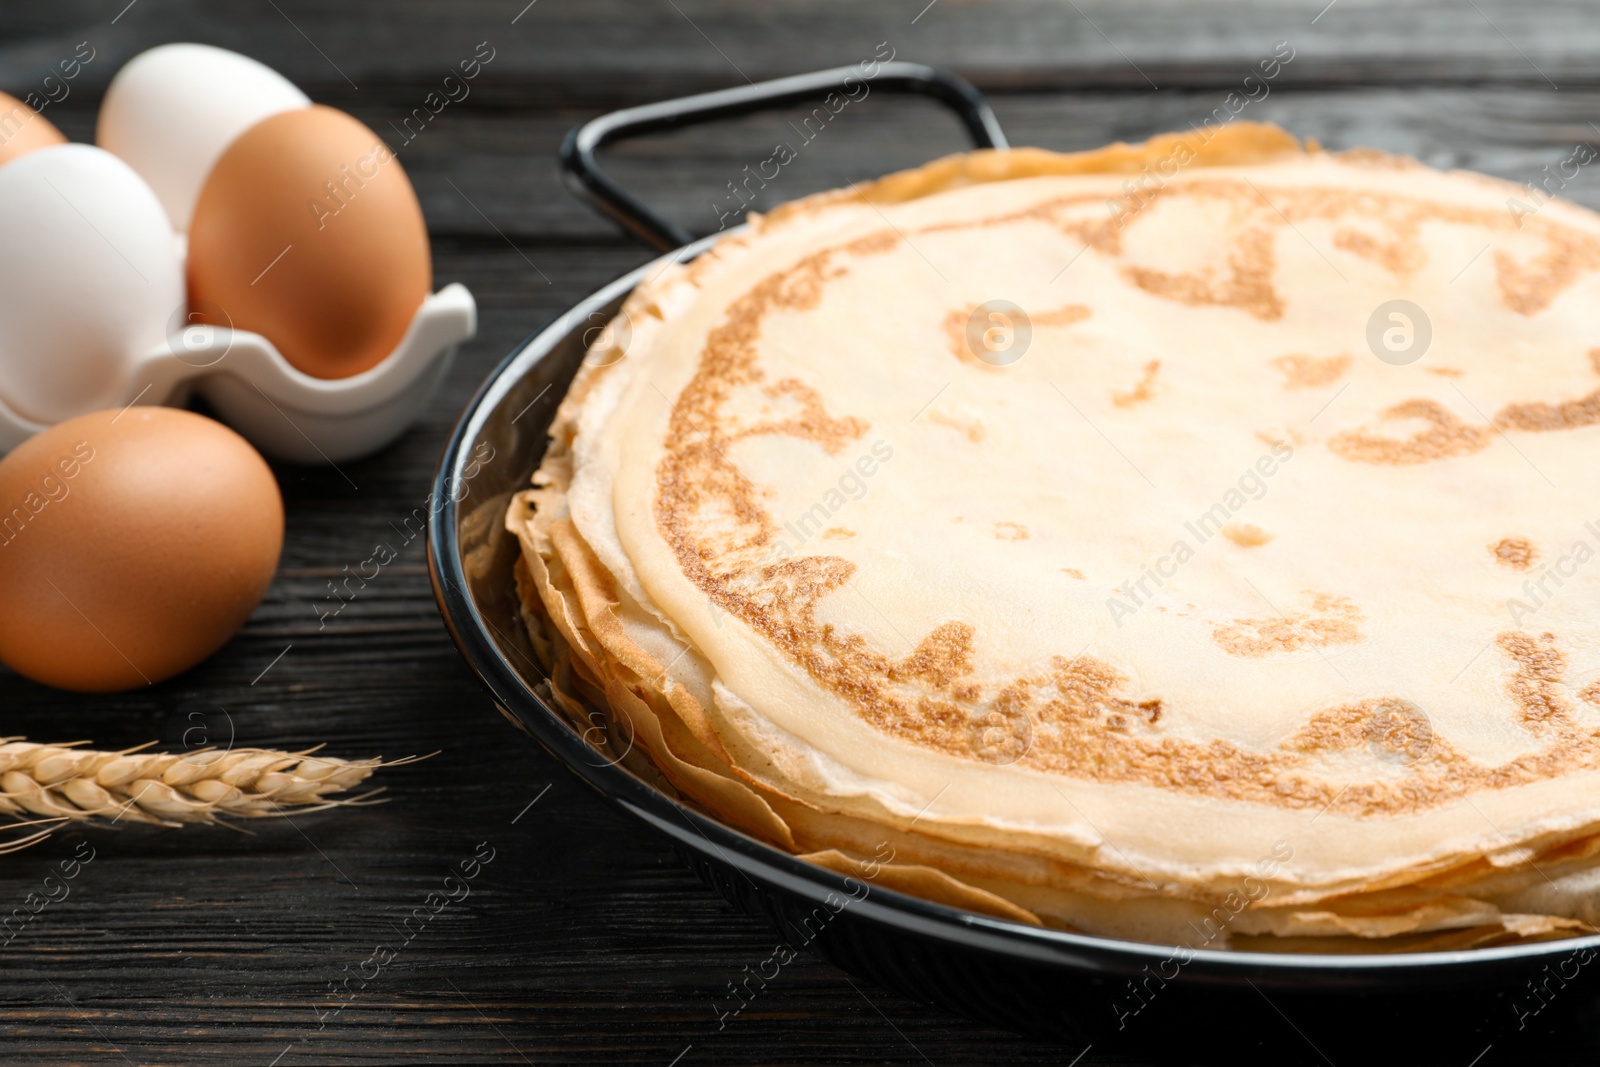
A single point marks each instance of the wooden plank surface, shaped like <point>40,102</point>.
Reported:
<point>617,49</point>
<point>584,940</point>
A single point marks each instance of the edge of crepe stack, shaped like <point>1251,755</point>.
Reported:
<point>607,653</point>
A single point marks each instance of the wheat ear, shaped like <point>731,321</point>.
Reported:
<point>51,782</point>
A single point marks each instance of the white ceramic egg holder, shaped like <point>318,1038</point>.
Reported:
<point>284,412</point>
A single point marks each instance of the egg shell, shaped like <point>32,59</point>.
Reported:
<point>172,111</point>
<point>89,280</point>
<point>23,130</point>
<point>133,544</point>
<point>308,232</point>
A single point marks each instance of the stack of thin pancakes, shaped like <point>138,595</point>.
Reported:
<point>1189,542</point>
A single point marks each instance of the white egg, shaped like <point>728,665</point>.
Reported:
<point>171,111</point>
<point>89,280</point>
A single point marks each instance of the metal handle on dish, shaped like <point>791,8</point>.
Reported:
<point>586,179</point>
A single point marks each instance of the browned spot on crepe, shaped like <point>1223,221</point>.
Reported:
<point>1073,572</point>
<point>1278,435</point>
<point>1396,256</point>
<point>1308,372</point>
<point>1011,531</point>
<point>1445,436</point>
<point>1538,415</point>
<point>1101,233</point>
<point>873,243</point>
<point>1086,690</point>
<point>971,429</point>
<point>1247,286</point>
<point>809,423</point>
<point>1061,316</point>
<point>1536,685</point>
<point>942,657</point>
<point>1514,552</point>
<point>1528,288</point>
<point>837,533</point>
<point>1144,390</point>
<point>1331,621</point>
<point>1444,372</point>
<point>955,335</point>
<point>1246,534</point>
<point>1590,694</point>
<point>1395,724</point>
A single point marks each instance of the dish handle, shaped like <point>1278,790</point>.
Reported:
<point>585,178</point>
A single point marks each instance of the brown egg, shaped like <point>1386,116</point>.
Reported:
<point>132,545</point>
<point>23,129</point>
<point>307,232</point>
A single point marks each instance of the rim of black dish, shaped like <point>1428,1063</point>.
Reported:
<point>770,868</point>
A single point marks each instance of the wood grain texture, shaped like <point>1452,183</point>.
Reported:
<point>611,50</point>
<point>584,940</point>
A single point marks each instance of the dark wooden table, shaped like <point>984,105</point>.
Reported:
<point>584,940</point>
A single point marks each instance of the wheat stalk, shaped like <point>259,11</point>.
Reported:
<point>49,783</point>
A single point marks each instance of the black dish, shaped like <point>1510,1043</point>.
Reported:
<point>1065,986</point>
